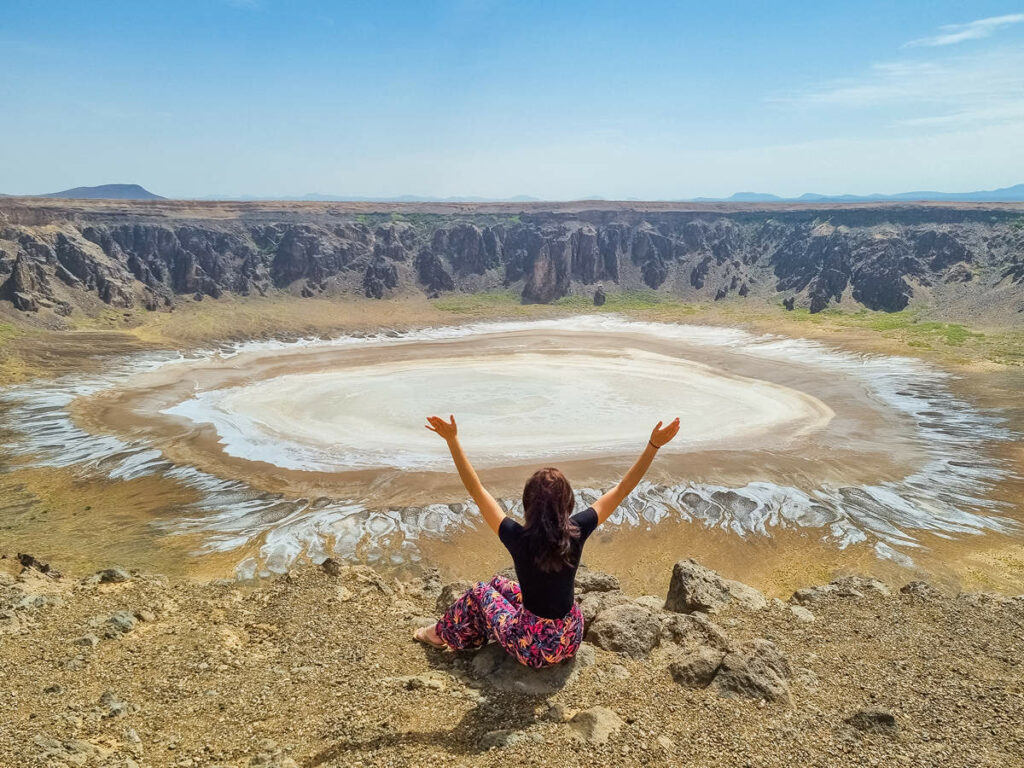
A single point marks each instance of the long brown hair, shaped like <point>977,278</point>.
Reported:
<point>547,504</point>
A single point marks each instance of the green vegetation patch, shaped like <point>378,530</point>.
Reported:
<point>8,331</point>
<point>472,303</point>
<point>616,302</point>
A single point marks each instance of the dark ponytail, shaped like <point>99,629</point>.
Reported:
<point>547,504</point>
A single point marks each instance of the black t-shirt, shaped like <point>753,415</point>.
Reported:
<point>548,595</point>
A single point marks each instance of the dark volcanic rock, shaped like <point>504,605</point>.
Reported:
<point>379,278</point>
<point>874,258</point>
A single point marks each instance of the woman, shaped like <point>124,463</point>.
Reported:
<point>537,620</point>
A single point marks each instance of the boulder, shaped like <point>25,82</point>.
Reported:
<point>592,603</point>
<point>650,602</point>
<point>874,721</point>
<point>842,587</point>
<point>696,588</point>
<point>629,629</point>
<point>755,670</point>
<point>694,629</point>
<point>595,581</point>
<point>596,724</point>
<point>697,669</point>
<point>497,669</point>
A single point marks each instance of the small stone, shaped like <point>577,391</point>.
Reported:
<point>506,737</point>
<point>874,721</point>
<point>617,672</point>
<point>54,689</point>
<point>88,641</point>
<point>331,567</point>
<point>595,725</point>
<point>113,706</point>
<point>854,587</point>
<point>921,590</point>
<point>559,713</point>
<point>115,575</point>
<point>666,743</point>
<point>431,681</point>
<point>801,614</point>
<point>120,623</point>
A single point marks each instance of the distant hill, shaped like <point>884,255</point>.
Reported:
<point>1014,194</point>
<point>107,192</point>
<point>324,198</point>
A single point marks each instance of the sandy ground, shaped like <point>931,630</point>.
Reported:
<point>319,670</point>
<point>50,509</point>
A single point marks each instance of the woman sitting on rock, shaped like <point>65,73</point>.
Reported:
<point>537,620</point>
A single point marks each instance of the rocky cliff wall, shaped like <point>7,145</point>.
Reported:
<point>880,257</point>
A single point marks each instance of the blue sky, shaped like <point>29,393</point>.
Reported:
<point>654,100</point>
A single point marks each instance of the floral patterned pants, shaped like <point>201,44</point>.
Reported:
<point>494,612</point>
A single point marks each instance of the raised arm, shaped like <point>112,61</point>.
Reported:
<point>611,500</point>
<point>489,508</point>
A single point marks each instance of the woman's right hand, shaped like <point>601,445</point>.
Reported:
<point>446,429</point>
<point>661,435</point>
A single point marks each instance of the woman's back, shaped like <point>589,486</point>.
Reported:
<point>548,594</point>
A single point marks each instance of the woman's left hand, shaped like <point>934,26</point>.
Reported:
<point>449,430</point>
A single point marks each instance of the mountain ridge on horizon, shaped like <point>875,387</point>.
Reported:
<point>1013,193</point>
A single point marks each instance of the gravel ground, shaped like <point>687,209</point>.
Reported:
<point>318,669</point>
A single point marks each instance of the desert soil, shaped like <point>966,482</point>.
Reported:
<point>318,669</point>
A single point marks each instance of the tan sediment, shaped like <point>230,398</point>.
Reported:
<point>316,669</point>
<point>88,523</point>
<point>857,428</point>
<point>968,560</point>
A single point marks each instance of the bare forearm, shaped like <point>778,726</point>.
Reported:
<point>492,513</point>
<point>636,473</point>
<point>609,501</point>
<point>466,472</point>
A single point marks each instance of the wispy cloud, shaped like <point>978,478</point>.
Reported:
<point>951,34</point>
<point>984,88</point>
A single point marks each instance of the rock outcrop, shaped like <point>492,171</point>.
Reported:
<point>696,588</point>
<point>882,258</point>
